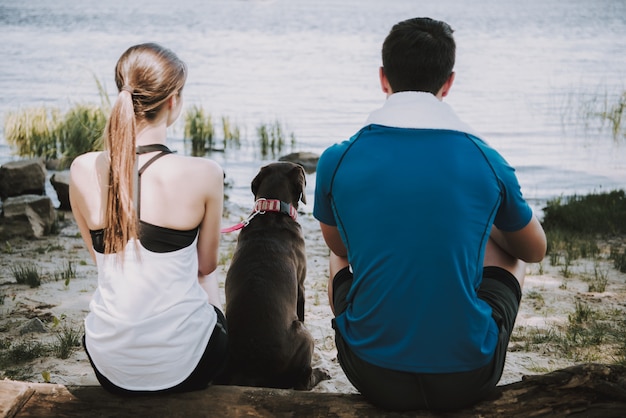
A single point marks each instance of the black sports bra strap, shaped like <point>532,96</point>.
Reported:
<point>144,149</point>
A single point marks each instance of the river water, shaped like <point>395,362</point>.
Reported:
<point>530,75</point>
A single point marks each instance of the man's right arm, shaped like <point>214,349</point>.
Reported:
<point>528,244</point>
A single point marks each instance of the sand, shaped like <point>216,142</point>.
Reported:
<point>548,300</point>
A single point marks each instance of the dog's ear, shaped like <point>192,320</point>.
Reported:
<point>256,182</point>
<point>299,178</point>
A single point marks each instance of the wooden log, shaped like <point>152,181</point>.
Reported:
<point>592,390</point>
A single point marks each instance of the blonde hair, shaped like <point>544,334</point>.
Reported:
<point>146,76</point>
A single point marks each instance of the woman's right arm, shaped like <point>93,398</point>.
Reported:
<point>77,201</point>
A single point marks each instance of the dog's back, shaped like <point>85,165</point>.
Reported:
<point>268,343</point>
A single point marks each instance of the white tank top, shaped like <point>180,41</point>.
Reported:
<point>149,321</point>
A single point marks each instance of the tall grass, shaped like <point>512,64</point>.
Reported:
<point>80,131</point>
<point>614,114</point>
<point>575,226</point>
<point>26,274</point>
<point>272,139</point>
<point>51,134</point>
<point>593,214</point>
<point>47,133</point>
<point>232,133</point>
<point>32,132</point>
<point>200,130</point>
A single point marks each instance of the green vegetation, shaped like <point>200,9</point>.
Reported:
<point>199,128</point>
<point>50,134</point>
<point>576,226</point>
<point>580,337</point>
<point>68,273</point>
<point>272,139</point>
<point>595,110</point>
<point>41,132</point>
<point>591,227</point>
<point>232,134</point>
<point>68,339</point>
<point>613,114</point>
<point>80,131</point>
<point>14,355</point>
<point>26,274</point>
<point>593,214</point>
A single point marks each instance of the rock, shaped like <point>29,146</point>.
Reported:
<point>308,160</point>
<point>27,216</point>
<point>22,177</point>
<point>61,183</point>
<point>32,326</point>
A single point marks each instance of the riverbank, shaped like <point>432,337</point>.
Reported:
<point>61,302</point>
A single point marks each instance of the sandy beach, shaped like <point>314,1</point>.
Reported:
<point>549,298</point>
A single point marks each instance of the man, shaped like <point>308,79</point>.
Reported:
<point>429,235</point>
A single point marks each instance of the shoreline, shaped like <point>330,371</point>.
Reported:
<point>548,299</point>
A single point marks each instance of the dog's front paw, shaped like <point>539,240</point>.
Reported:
<point>316,376</point>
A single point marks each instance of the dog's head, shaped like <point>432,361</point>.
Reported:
<point>283,181</point>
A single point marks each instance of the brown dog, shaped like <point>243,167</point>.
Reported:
<point>268,343</point>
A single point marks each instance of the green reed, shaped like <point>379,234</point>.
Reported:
<point>199,129</point>
<point>272,139</point>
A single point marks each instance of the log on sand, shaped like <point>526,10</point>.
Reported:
<point>592,390</point>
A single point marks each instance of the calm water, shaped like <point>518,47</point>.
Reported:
<point>525,71</point>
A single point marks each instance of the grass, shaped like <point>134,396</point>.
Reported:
<point>81,130</point>
<point>272,139</point>
<point>47,133</point>
<point>576,226</point>
<point>26,274</point>
<point>32,132</point>
<point>53,135</point>
<point>589,335</point>
<point>200,130</point>
<point>613,114</point>
<point>582,227</point>
<point>8,248</point>
<point>595,110</point>
<point>15,356</point>
<point>66,274</point>
<point>68,339</point>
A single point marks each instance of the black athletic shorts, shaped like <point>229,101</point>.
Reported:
<point>397,390</point>
<point>209,367</point>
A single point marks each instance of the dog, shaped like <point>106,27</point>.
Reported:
<point>268,343</point>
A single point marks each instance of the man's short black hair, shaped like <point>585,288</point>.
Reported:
<point>418,55</point>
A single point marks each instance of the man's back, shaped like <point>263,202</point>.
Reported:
<point>414,208</point>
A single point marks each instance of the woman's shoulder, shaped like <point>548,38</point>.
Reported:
<point>87,158</point>
<point>195,164</point>
<point>87,162</point>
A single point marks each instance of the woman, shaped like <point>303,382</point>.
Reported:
<point>151,221</point>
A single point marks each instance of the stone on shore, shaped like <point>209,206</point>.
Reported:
<point>27,216</point>
<point>308,160</point>
<point>22,177</point>
<point>61,183</point>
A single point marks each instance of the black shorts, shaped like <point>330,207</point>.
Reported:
<point>209,367</point>
<point>397,390</point>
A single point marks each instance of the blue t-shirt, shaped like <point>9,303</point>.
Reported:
<point>414,208</point>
